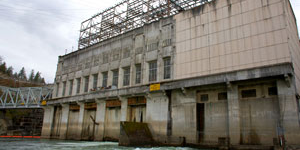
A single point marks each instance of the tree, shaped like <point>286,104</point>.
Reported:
<point>9,71</point>
<point>15,75</point>
<point>31,76</point>
<point>43,81</point>
<point>37,77</point>
<point>1,59</point>
<point>3,67</point>
<point>22,74</point>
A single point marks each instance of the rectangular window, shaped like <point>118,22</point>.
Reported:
<point>71,87</point>
<point>86,83</point>
<point>138,73</point>
<point>104,79</point>
<point>126,53</point>
<point>152,71</point>
<point>57,89</point>
<point>115,78</point>
<point>167,68</point>
<point>95,81</point>
<point>126,79</point>
<point>204,97</point>
<point>78,80</point>
<point>64,88</point>
<point>222,96</point>
<point>272,91</point>
<point>249,93</point>
<point>105,57</point>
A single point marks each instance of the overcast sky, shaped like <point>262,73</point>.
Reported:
<point>33,33</point>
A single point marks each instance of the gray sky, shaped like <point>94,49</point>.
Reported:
<point>33,33</point>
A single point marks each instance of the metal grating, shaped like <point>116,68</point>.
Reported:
<point>128,15</point>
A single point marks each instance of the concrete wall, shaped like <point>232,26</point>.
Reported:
<point>223,36</point>
<point>72,124</point>
<point>112,123</point>
<point>113,55</point>
<point>293,40</point>
<point>157,115</point>
<point>88,128</point>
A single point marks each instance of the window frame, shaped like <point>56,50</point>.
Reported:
<point>64,88</point>
<point>126,76</point>
<point>138,73</point>
<point>152,71</point>
<point>167,68</point>
<point>86,84</point>
<point>71,87</point>
<point>115,77</point>
<point>95,81</point>
<point>78,85</point>
<point>104,79</point>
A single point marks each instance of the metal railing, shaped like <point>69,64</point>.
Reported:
<point>24,97</point>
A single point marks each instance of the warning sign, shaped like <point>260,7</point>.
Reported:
<point>154,87</point>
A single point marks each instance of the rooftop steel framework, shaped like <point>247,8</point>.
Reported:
<point>128,15</point>
<point>25,97</point>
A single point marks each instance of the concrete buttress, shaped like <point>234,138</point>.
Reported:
<point>48,121</point>
<point>64,121</point>
<point>233,114</point>
<point>100,118</point>
<point>80,119</point>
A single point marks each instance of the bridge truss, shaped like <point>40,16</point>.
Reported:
<point>128,15</point>
<point>24,97</point>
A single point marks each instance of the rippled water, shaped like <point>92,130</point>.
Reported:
<point>43,144</point>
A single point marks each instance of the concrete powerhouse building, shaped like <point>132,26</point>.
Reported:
<point>206,72</point>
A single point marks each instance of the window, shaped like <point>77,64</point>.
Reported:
<point>104,79</point>
<point>105,58</point>
<point>222,96</point>
<point>167,42</point>
<point>116,54</point>
<point>57,89</point>
<point>138,75</point>
<point>249,93</point>
<point>204,97</point>
<point>126,53</point>
<point>71,87</point>
<point>272,91</point>
<point>167,68</point>
<point>115,78</point>
<point>152,46</point>
<point>78,80</point>
<point>86,84</point>
<point>95,81</point>
<point>64,88</point>
<point>126,79</point>
<point>152,71</point>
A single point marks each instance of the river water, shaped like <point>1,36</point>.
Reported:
<point>44,144</point>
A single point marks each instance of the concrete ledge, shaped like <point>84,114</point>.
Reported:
<point>254,73</point>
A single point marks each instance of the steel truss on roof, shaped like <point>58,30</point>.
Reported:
<point>25,97</point>
<point>128,15</point>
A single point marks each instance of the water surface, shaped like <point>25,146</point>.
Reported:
<point>45,144</point>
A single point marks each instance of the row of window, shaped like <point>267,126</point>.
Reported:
<point>115,77</point>
<point>250,93</point>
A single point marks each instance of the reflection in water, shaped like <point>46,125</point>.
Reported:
<point>44,144</point>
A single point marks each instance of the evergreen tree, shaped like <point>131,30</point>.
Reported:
<point>9,71</point>
<point>15,75</point>
<point>31,76</point>
<point>3,67</point>
<point>1,59</point>
<point>22,74</point>
<point>37,77</point>
<point>43,81</point>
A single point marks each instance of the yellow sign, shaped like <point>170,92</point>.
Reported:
<point>44,103</point>
<point>154,87</point>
